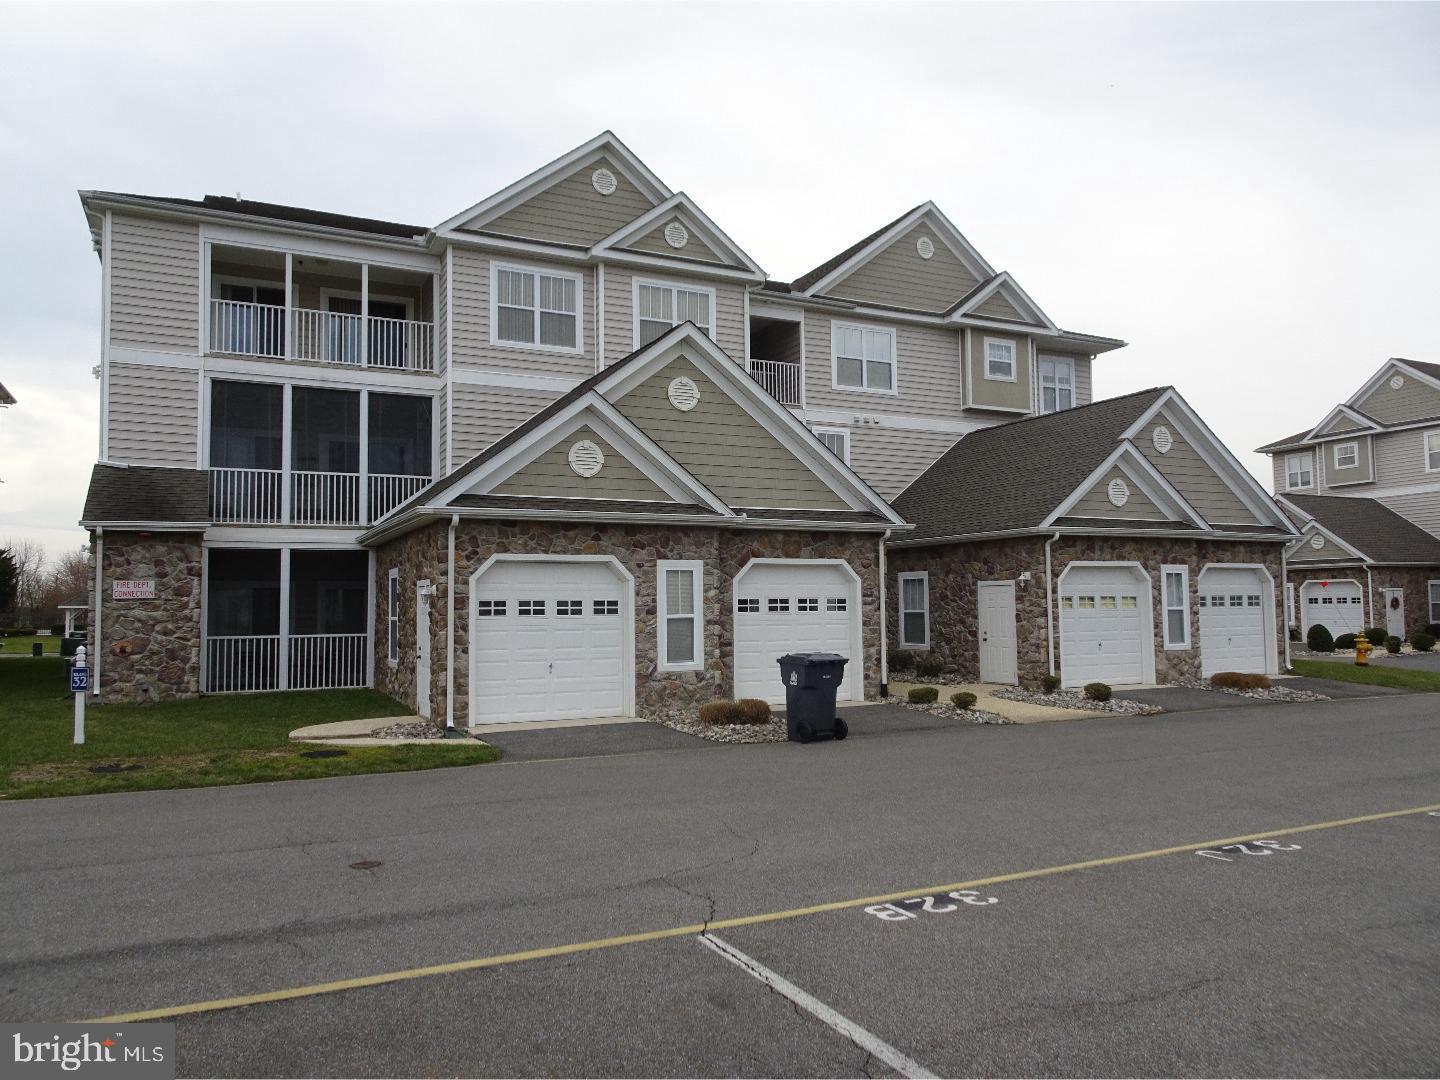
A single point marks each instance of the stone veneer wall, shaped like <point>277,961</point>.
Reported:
<point>151,647</point>
<point>955,568</point>
<point>421,554</point>
<point>1414,580</point>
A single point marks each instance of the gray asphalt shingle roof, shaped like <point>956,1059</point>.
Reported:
<point>1372,527</point>
<point>134,493</point>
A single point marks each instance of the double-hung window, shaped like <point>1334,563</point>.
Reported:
<point>1057,384</point>
<point>1177,606</point>
<point>836,440</point>
<point>537,308</point>
<point>680,592</point>
<point>915,610</point>
<point>863,357</point>
<point>658,307</point>
<point>1432,451</point>
<point>1000,359</point>
<point>392,616</point>
<point>1299,472</point>
<point>1347,455</point>
<point>1435,601</point>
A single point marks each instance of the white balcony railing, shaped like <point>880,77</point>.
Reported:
<point>254,496</point>
<point>780,378</point>
<point>241,664</point>
<point>327,661</point>
<point>388,491</point>
<point>327,337</point>
<point>236,664</point>
<point>324,498</point>
<point>245,496</point>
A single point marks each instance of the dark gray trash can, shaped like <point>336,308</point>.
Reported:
<point>811,680</point>
<point>68,645</point>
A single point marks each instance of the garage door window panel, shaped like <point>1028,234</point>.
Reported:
<point>680,604</point>
<point>1177,606</point>
<point>915,610</point>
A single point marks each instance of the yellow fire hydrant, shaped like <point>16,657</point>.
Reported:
<point>1363,649</point>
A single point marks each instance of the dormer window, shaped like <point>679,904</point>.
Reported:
<point>1347,455</point>
<point>1299,472</point>
<point>999,360</point>
<point>1057,384</point>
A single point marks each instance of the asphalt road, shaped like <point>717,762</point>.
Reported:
<point>1323,960</point>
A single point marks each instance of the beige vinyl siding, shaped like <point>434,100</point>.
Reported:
<point>154,284</point>
<point>927,371</point>
<point>481,414</point>
<point>997,306</point>
<point>997,393</point>
<point>729,315</point>
<point>442,318</point>
<point>1084,380</point>
<point>1415,400</point>
<point>1206,491</point>
<point>442,432</point>
<point>571,211</point>
<point>1096,503</point>
<point>1329,553</point>
<point>889,459</point>
<point>153,415</point>
<point>1331,476</point>
<point>550,475</point>
<point>899,277</point>
<point>655,243</point>
<point>1340,424</point>
<point>1422,509</point>
<point>723,446</point>
<point>1277,473</point>
<point>471,322</point>
<point>1400,459</point>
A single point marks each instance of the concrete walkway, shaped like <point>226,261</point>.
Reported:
<point>1021,712</point>
<point>361,732</point>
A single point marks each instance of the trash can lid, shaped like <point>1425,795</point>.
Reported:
<point>812,658</point>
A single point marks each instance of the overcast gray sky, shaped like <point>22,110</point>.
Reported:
<point>1246,193</point>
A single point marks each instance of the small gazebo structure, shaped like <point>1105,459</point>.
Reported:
<point>73,608</point>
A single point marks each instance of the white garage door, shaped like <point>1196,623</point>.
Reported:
<point>548,642</point>
<point>784,607</point>
<point>1232,622</point>
<point>1104,612</point>
<point>1336,605</point>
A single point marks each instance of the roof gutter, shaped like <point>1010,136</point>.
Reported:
<point>1168,534</point>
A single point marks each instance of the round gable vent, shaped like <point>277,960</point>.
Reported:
<point>1162,439</point>
<point>684,394</point>
<point>586,458</point>
<point>924,247</point>
<point>676,235</point>
<point>1317,541</point>
<point>1119,492</point>
<point>1396,381</point>
<point>603,181</point>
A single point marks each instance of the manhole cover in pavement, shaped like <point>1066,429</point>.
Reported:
<point>324,753</point>
<point>366,864</point>
<point>115,767</point>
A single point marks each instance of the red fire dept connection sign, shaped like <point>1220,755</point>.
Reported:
<point>133,590</point>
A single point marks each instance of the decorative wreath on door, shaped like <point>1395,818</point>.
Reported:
<point>1394,603</point>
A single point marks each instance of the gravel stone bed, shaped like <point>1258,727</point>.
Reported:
<point>951,712</point>
<point>1073,699</point>
<point>415,729</point>
<point>774,731</point>
<point>1275,693</point>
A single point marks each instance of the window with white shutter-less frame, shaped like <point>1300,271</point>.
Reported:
<point>679,592</point>
<point>536,308</point>
<point>659,306</point>
<point>863,358</point>
<point>1177,606</point>
<point>915,610</point>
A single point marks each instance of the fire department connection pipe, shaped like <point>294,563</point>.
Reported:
<point>450,627</point>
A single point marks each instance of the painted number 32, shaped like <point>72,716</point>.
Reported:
<point>916,905</point>
<point>1266,847</point>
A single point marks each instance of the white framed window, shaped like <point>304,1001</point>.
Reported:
<point>1432,451</point>
<point>1057,384</point>
<point>1347,455</point>
<point>392,617</point>
<point>1299,472</point>
<point>1176,594</point>
<point>659,305</point>
<point>836,440</point>
<point>539,309</point>
<point>915,610</point>
<point>1435,601</point>
<point>999,360</point>
<point>679,588</point>
<point>862,358</point>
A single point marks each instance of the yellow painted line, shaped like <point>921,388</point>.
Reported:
<point>504,959</point>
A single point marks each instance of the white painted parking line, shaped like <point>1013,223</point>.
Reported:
<point>868,1042</point>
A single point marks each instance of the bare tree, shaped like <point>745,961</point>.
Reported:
<point>29,560</point>
<point>66,578</point>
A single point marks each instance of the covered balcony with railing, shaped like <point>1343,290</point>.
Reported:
<point>281,306</point>
<point>304,455</point>
<point>775,358</point>
<point>286,619</point>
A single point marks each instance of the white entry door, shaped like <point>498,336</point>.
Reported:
<point>1394,600</point>
<point>1338,606</point>
<point>998,662</point>
<point>1234,633</point>
<point>1104,615</point>
<point>790,606</point>
<point>548,641</point>
<point>423,591</point>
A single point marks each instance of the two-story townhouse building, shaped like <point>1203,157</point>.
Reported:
<point>1366,561</point>
<point>573,431</point>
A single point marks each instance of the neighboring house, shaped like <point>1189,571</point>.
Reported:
<point>1119,543</point>
<point>1382,443</point>
<point>1358,564</point>
<point>6,398</point>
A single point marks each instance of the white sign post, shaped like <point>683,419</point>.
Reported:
<point>79,684</point>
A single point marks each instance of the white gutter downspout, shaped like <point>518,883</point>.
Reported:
<point>99,603</point>
<point>1285,602</point>
<point>884,618</point>
<point>1370,595</point>
<point>450,630</point>
<point>1050,605</point>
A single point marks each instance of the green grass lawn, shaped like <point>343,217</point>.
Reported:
<point>232,739</point>
<point>1374,675</point>
<point>20,646</point>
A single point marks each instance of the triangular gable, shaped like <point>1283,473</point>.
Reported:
<point>1398,394</point>
<point>1146,495</point>
<point>571,200</point>
<point>735,438</point>
<point>1001,297</point>
<point>554,474</point>
<point>1341,420</point>
<point>1331,548</point>
<point>901,274</point>
<point>948,237</point>
<point>697,238</point>
<point>1202,467</point>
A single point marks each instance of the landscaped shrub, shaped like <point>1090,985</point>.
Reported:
<point>1319,639</point>
<point>1376,635</point>
<point>963,700</point>
<point>754,710</point>
<point>1049,683</point>
<point>1392,644</point>
<point>1422,642</point>
<point>1239,680</point>
<point>21,631</point>
<point>1097,691</point>
<point>744,711</point>
<point>1294,633</point>
<point>901,661</point>
<point>1345,641</point>
<point>1433,630</point>
<point>929,666</point>
<point>923,695</point>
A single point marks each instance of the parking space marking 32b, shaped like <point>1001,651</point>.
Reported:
<point>1253,847</point>
<point>916,906</point>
